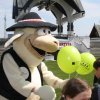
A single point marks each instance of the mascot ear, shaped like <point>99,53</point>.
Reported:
<point>46,93</point>
<point>17,35</point>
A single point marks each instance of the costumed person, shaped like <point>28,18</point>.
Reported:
<point>22,68</point>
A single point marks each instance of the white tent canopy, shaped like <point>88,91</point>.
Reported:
<point>63,10</point>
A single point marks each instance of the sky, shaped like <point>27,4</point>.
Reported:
<point>82,26</point>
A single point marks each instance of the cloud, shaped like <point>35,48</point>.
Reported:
<point>44,14</point>
<point>6,4</point>
<point>5,10</point>
<point>92,9</point>
<point>84,25</point>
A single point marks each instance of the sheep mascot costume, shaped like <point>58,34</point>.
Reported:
<point>20,75</point>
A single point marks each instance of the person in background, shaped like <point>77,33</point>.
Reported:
<point>96,66</point>
<point>76,89</point>
<point>96,83</point>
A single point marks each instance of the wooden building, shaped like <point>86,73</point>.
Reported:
<point>95,33</point>
<point>95,41</point>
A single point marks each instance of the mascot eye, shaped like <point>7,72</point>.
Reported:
<point>43,31</point>
<point>48,31</point>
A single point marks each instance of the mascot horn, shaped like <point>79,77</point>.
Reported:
<point>22,69</point>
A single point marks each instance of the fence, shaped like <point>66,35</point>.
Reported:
<point>95,47</point>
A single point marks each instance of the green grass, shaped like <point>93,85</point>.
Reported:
<point>52,65</point>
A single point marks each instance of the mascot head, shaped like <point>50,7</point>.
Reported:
<point>32,38</point>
